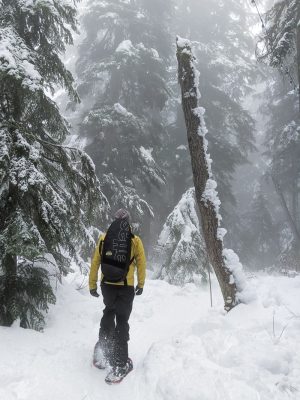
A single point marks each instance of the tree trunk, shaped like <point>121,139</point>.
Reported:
<point>10,267</point>
<point>9,262</point>
<point>201,172</point>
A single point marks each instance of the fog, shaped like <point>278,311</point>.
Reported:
<point>235,91</point>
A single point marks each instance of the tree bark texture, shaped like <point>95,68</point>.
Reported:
<point>200,168</point>
<point>9,292</point>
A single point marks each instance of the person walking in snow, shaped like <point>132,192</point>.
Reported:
<point>119,253</point>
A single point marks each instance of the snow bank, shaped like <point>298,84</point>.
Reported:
<point>235,356</point>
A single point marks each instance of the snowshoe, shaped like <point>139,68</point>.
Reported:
<point>117,374</point>
<point>99,360</point>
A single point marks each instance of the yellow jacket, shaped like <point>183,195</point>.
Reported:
<point>137,252</point>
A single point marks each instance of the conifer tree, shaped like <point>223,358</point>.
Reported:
<point>180,246</point>
<point>278,48</point>
<point>261,244</point>
<point>278,43</point>
<point>49,193</point>
<point>122,71</point>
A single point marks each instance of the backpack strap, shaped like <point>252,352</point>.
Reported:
<point>100,246</point>
<point>131,261</point>
<point>100,251</point>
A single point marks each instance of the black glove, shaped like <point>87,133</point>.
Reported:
<point>138,291</point>
<point>94,292</point>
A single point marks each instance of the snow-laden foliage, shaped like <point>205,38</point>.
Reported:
<point>260,237</point>
<point>284,138</point>
<point>282,143</point>
<point>49,194</point>
<point>116,145</point>
<point>181,253</point>
<point>125,195</point>
<point>31,296</point>
<point>282,107</point>
<point>277,45</point>
<point>122,71</point>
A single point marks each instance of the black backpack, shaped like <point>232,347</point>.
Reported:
<point>116,252</point>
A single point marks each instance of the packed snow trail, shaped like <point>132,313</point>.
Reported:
<point>181,348</point>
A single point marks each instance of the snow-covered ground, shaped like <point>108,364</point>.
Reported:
<point>181,348</point>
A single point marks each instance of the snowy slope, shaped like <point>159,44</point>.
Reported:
<point>181,348</point>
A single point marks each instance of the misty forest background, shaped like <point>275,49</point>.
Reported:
<point>95,125</point>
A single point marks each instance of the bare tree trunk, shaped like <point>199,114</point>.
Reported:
<point>201,171</point>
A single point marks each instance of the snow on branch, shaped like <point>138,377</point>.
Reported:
<point>17,61</point>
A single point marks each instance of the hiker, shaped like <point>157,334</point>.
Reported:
<point>119,252</point>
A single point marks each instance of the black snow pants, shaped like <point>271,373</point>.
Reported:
<point>114,327</point>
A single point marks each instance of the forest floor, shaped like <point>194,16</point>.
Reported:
<point>182,349</point>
